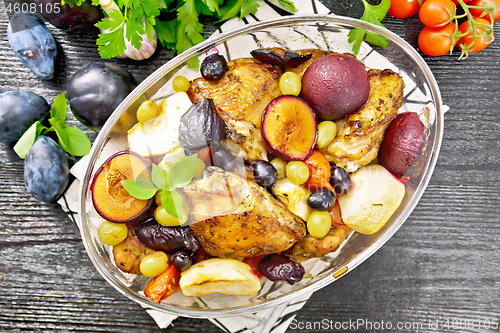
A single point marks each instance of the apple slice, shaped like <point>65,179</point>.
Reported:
<point>289,128</point>
<point>110,199</point>
<point>374,196</point>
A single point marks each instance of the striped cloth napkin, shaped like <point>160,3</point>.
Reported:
<point>275,320</point>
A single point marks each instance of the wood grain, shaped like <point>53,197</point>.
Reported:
<point>441,265</point>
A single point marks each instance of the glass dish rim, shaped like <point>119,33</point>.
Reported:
<point>205,46</point>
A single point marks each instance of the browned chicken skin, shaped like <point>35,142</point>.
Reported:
<point>310,247</point>
<point>360,134</point>
<point>239,218</point>
<point>241,97</point>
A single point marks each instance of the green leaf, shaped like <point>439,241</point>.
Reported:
<point>134,29</point>
<point>375,13</point>
<point>137,191</point>
<point>159,176</point>
<point>59,108</point>
<point>376,39</point>
<point>182,172</point>
<point>288,4</point>
<point>213,5</point>
<point>59,127</point>
<point>188,19</point>
<point>231,9</point>
<point>25,143</point>
<point>145,183</point>
<point>248,7</point>
<point>112,42</point>
<point>165,30</point>
<point>356,36</point>
<point>172,202</point>
<point>78,144</point>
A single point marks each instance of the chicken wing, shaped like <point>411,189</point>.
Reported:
<point>360,134</point>
<point>310,247</point>
<point>241,97</point>
<point>238,217</point>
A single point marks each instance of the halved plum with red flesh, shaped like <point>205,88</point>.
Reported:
<point>289,128</point>
<point>110,199</point>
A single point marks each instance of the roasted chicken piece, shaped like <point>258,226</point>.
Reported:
<point>241,97</point>
<point>310,247</point>
<point>129,254</point>
<point>239,218</point>
<point>360,134</point>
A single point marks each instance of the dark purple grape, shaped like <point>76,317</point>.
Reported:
<point>322,200</point>
<point>46,170</point>
<point>168,239</point>
<point>182,260</point>
<point>223,159</point>
<point>277,267</point>
<point>213,67</point>
<point>264,173</point>
<point>33,44</point>
<point>66,17</point>
<point>18,111</point>
<point>340,180</point>
<point>95,91</point>
<point>200,126</point>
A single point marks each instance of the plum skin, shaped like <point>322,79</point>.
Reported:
<point>81,17</point>
<point>46,170</point>
<point>95,91</point>
<point>402,144</point>
<point>18,111</point>
<point>33,44</point>
<point>335,85</point>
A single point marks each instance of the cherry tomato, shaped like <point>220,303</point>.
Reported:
<point>253,262</point>
<point>163,285</point>
<point>433,13</point>
<point>435,42</point>
<point>477,12</point>
<point>336,215</point>
<point>477,45</point>
<point>319,172</point>
<point>404,8</point>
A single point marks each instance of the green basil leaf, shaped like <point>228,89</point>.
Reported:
<point>172,202</point>
<point>24,144</point>
<point>78,144</point>
<point>145,183</point>
<point>59,127</point>
<point>159,176</point>
<point>137,191</point>
<point>59,108</point>
<point>182,172</point>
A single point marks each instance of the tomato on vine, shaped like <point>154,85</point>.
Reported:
<point>434,13</point>
<point>404,8</point>
<point>437,41</point>
<point>468,43</point>
<point>483,12</point>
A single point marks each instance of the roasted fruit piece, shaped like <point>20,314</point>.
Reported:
<point>240,97</point>
<point>129,253</point>
<point>280,57</point>
<point>311,247</point>
<point>289,128</point>
<point>238,217</point>
<point>110,199</point>
<point>360,134</point>
<point>402,144</point>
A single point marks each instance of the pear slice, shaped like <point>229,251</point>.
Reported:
<point>216,275</point>
<point>374,196</point>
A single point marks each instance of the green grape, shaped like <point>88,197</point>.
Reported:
<point>319,223</point>
<point>147,111</point>
<point>297,172</point>
<point>154,264</point>
<point>168,220</point>
<point>200,167</point>
<point>327,131</point>
<point>180,83</point>
<point>280,166</point>
<point>112,233</point>
<point>290,84</point>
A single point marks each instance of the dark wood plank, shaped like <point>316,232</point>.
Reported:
<point>442,265</point>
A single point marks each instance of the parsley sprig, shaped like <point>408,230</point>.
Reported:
<point>167,183</point>
<point>182,31</point>
<point>71,139</point>
<point>372,14</point>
